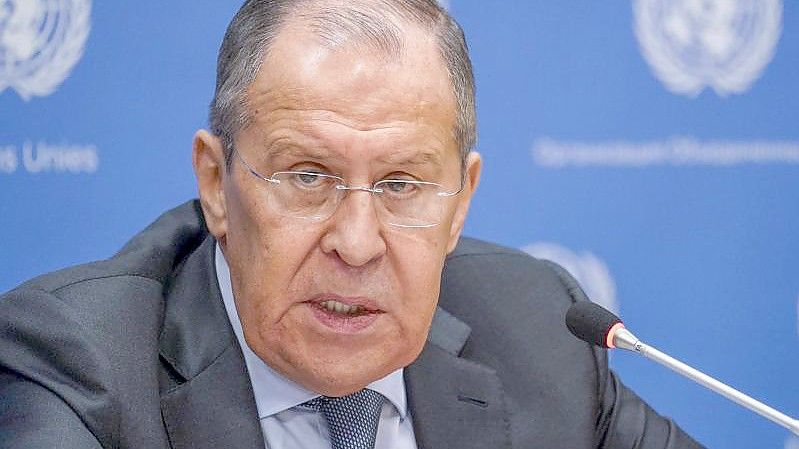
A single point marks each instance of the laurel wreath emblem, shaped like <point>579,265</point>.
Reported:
<point>749,32</point>
<point>58,40</point>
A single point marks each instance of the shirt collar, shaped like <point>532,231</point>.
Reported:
<point>273,392</point>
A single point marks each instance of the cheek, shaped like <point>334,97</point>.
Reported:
<point>272,271</point>
<point>419,260</point>
<point>267,295</point>
<point>265,255</point>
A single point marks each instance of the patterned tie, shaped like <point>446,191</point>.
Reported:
<point>352,420</point>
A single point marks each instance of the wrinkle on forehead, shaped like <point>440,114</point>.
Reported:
<point>301,73</point>
<point>306,118</point>
<point>322,140</point>
<point>358,102</point>
<point>311,147</point>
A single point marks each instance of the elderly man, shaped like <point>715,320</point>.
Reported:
<point>304,302</point>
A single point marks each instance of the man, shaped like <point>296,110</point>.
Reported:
<point>296,304</point>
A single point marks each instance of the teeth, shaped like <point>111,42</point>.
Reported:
<point>339,307</point>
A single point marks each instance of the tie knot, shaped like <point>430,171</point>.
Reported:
<point>352,419</point>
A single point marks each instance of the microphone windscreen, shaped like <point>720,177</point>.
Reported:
<point>591,322</point>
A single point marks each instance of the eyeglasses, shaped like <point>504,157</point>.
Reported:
<point>309,195</point>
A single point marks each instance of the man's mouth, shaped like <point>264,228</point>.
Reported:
<point>340,307</point>
<point>345,314</point>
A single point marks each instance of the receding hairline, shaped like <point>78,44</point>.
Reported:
<point>296,27</point>
<point>313,18</point>
<point>257,25</point>
<point>297,30</point>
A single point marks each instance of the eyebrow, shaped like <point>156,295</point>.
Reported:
<point>424,157</point>
<point>288,147</point>
<point>285,146</point>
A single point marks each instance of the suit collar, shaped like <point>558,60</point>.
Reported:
<point>196,329</point>
<point>212,405</point>
<point>448,332</point>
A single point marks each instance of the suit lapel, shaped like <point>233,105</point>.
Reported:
<point>214,409</point>
<point>207,401</point>
<point>454,402</point>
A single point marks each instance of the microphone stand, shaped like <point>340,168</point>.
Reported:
<point>625,339</point>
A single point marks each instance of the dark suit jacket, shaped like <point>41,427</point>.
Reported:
<point>137,352</point>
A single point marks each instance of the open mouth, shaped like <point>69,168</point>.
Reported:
<point>340,307</point>
<point>345,310</point>
<point>345,315</point>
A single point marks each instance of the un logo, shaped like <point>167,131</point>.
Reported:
<point>40,43</point>
<point>694,44</point>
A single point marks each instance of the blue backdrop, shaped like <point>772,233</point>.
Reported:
<point>650,146</point>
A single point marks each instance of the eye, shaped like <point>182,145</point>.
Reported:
<point>308,180</point>
<point>399,188</point>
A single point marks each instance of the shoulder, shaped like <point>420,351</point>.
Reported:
<point>509,298</point>
<point>79,332</point>
<point>137,272</point>
<point>470,247</point>
<point>516,306</point>
<point>90,303</point>
<point>72,332</point>
<point>488,270</point>
<point>101,309</point>
<point>80,284</point>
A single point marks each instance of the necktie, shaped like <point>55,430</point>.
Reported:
<point>352,420</point>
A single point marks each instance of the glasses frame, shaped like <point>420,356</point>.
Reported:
<point>342,184</point>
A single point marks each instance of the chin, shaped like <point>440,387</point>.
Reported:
<point>348,375</point>
<point>337,391</point>
<point>336,384</point>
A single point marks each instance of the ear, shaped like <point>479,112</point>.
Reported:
<point>208,159</point>
<point>473,167</point>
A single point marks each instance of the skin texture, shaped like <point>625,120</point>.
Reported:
<point>364,116</point>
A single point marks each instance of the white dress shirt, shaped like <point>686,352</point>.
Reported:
<point>287,426</point>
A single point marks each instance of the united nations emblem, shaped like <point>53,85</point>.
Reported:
<point>694,44</point>
<point>40,43</point>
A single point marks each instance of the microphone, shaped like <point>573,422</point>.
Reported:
<point>594,324</point>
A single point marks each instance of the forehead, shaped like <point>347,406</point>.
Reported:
<point>353,81</point>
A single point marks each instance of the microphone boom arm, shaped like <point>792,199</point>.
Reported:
<point>625,339</point>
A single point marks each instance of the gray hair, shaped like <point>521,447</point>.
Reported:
<point>257,24</point>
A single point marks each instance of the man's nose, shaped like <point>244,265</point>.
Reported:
<point>355,232</point>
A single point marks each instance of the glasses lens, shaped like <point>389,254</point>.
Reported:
<point>410,203</point>
<point>305,194</point>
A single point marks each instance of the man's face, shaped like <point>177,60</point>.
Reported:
<point>364,117</point>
